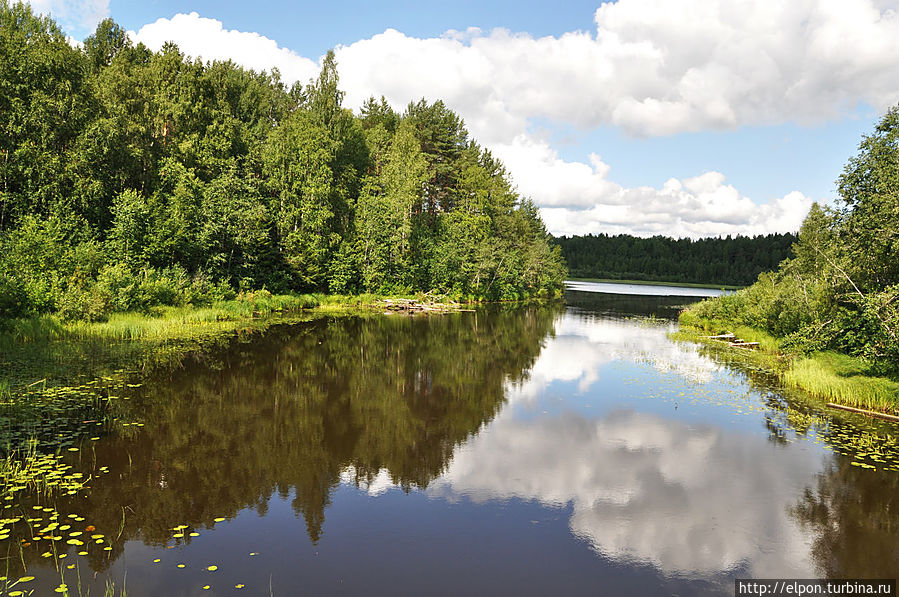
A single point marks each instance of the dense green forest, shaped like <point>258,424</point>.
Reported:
<point>131,178</point>
<point>841,290</point>
<point>737,261</point>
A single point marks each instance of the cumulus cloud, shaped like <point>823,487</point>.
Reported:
<point>637,484</point>
<point>651,67</point>
<point>207,38</point>
<point>74,16</point>
<point>578,198</point>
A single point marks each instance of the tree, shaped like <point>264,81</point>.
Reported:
<point>165,179</point>
<point>107,41</point>
<point>44,103</point>
<point>297,162</point>
<point>869,188</point>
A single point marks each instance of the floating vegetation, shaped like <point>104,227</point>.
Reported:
<point>790,415</point>
<point>46,437</point>
<point>54,419</point>
<point>38,474</point>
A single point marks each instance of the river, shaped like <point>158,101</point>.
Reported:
<point>527,451</point>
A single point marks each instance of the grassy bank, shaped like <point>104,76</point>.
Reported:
<point>49,351</point>
<point>173,323</point>
<point>658,283</point>
<point>834,377</point>
<point>170,323</point>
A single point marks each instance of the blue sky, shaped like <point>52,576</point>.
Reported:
<point>679,117</point>
<point>311,28</point>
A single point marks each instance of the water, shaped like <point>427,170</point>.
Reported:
<point>533,451</point>
<point>623,288</point>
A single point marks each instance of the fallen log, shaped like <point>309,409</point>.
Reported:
<point>870,413</point>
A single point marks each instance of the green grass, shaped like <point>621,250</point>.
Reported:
<point>659,283</point>
<point>160,323</point>
<point>174,323</point>
<point>842,379</point>
<point>831,376</point>
<point>46,349</point>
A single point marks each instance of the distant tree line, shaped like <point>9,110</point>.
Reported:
<point>130,178</point>
<point>737,261</point>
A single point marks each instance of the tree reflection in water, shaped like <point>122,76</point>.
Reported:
<point>289,411</point>
<point>854,515</point>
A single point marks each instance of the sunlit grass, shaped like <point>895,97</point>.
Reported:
<point>831,376</point>
<point>173,323</point>
<point>159,323</point>
<point>747,334</point>
<point>841,379</point>
<point>46,349</point>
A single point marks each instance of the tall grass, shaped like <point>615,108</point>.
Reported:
<point>159,323</point>
<point>841,379</point>
<point>835,377</point>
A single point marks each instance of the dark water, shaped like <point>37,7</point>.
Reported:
<point>532,451</point>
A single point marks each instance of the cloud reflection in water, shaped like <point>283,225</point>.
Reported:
<point>689,499</point>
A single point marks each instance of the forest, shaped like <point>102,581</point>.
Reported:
<point>733,261</point>
<point>840,290</point>
<point>131,178</point>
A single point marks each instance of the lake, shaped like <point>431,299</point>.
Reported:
<point>572,450</point>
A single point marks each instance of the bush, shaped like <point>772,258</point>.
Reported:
<point>13,299</point>
<point>84,302</point>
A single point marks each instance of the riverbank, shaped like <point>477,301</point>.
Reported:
<point>658,283</point>
<point>178,322</point>
<point>49,350</point>
<point>827,375</point>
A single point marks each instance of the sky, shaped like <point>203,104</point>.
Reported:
<point>676,117</point>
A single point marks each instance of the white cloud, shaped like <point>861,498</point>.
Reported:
<point>378,485</point>
<point>638,485</point>
<point>651,67</point>
<point>200,37</point>
<point>577,198</point>
<point>74,16</point>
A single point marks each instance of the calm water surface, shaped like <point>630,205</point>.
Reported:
<point>533,451</point>
<point>641,289</point>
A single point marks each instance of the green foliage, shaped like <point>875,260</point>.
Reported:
<point>131,179</point>
<point>869,188</point>
<point>44,104</point>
